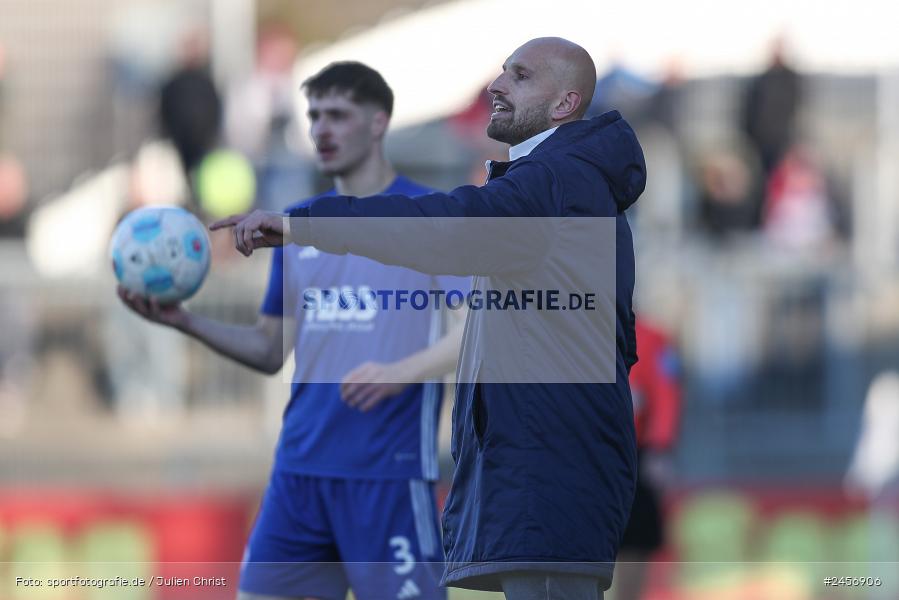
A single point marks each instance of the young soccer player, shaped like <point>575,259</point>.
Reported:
<point>350,502</point>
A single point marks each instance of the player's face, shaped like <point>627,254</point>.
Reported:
<point>344,133</point>
<point>523,97</point>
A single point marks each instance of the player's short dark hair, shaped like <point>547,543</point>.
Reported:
<point>361,82</point>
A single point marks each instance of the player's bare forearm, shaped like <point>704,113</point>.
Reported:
<point>441,357</point>
<point>366,386</point>
<point>260,346</point>
<point>255,346</point>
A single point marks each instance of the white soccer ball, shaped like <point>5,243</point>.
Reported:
<point>160,252</point>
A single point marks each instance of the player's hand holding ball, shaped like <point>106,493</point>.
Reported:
<point>160,256</point>
<point>150,308</point>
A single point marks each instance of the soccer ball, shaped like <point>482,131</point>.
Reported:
<point>160,252</point>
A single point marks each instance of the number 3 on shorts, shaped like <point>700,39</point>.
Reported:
<point>401,547</point>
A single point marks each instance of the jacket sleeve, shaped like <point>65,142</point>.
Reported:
<point>468,231</point>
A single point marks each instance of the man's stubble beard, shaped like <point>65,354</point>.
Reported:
<point>343,170</point>
<point>520,128</point>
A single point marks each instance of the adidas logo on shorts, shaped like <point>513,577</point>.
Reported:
<point>409,590</point>
<point>308,252</point>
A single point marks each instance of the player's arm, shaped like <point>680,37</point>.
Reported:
<point>368,384</point>
<point>455,233</point>
<point>261,346</point>
<point>470,230</point>
<point>440,358</point>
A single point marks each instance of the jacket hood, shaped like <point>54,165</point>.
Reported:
<point>608,143</point>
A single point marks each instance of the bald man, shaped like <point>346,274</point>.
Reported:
<point>545,456</point>
<point>545,83</point>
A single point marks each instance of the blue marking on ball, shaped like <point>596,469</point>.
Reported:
<point>157,279</point>
<point>146,229</point>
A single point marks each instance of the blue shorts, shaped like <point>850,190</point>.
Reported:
<point>318,537</point>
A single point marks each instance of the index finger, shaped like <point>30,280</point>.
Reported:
<point>227,222</point>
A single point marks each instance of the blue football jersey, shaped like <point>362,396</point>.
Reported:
<point>346,314</point>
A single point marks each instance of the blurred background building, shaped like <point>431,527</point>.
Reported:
<point>767,244</point>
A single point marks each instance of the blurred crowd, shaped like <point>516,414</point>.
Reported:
<point>767,179</point>
<point>214,150</point>
<point>236,145</point>
<point>739,188</point>
<point>770,358</point>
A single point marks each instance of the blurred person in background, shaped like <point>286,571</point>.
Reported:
<point>624,90</point>
<point>190,109</point>
<point>655,387</point>
<point>665,105</point>
<point>656,112</point>
<point>798,213</point>
<point>354,472</point>
<point>770,106</point>
<point>260,119</point>
<point>726,204</point>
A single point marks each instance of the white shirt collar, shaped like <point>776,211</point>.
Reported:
<point>525,147</point>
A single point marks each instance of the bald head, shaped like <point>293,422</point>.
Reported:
<point>545,83</point>
<point>570,65</point>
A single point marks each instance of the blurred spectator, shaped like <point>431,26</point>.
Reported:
<point>655,109</point>
<point>655,388</point>
<point>262,106</point>
<point>261,123</point>
<point>190,107</point>
<point>664,105</point>
<point>144,42</point>
<point>725,195</point>
<point>13,196</point>
<point>669,193</point>
<point>623,90</point>
<point>770,106</point>
<point>797,212</point>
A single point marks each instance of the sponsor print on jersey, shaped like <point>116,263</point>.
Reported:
<point>320,437</point>
<point>342,308</point>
